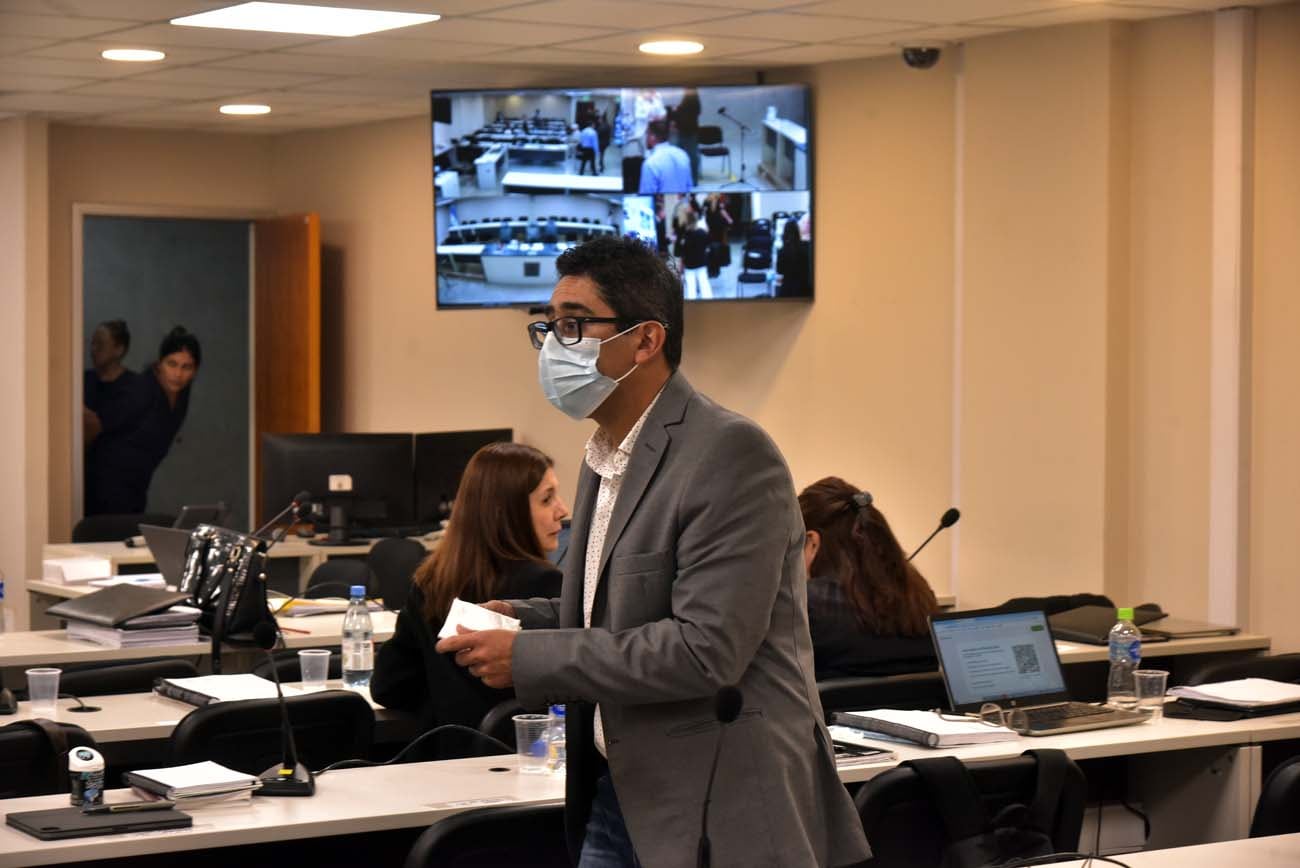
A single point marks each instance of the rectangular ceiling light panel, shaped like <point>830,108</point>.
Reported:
<point>297,18</point>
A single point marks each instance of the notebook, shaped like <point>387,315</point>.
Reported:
<point>60,823</point>
<point>206,689</point>
<point>925,728</point>
<point>110,607</point>
<point>1244,693</point>
<point>1009,658</point>
<point>196,780</point>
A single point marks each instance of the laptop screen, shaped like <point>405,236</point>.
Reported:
<point>997,656</point>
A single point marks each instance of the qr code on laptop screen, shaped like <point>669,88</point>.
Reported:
<point>1026,659</point>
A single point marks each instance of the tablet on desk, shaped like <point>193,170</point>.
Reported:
<point>60,823</point>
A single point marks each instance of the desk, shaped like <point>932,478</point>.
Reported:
<point>53,647</point>
<point>535,152</point>
<point>417,794</point>
<point>1277,851</point>
<point>488,165</point>
<point>543,182</point>
<point>1074,652</point>
<point>785,154</point>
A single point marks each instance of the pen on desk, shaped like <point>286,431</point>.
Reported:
<point>295,630</point>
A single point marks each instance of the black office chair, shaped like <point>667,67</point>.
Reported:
<point>110,679</point>
<point>392,562</point>
<point>906,829</point>
<point>521,836</point>
<point>916,691</point>
<point>756,260</point>
<point>1055,604</point>
<point>1278,810</point>
<point>499,721</point>
<point>288,668</point>
<point>328,726</point>
<point>33,757</point>
<point>1280,667</point>
<point>114,527</point>
<point>336,576</point>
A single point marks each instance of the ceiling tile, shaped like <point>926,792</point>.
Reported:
<point>809,54</point>
<point>300,100</point>
<point>88,69</point>
<point>67,103</point>
<point>133,10</point>
<point>14,44</point>
<point>756,5</point>
<point>370,86</point>
<point>442,7</point>
<point>398,49</point>
<point>1076,14</point>
<point>281,61</point>
<point>618,14</point>
<point>625,44</point>
<point>88,50</point>
<point>799,28</point>
<point>12,81</point>
<point>57,26</point>
<point>212,37</point>
<point>940,33</point>
<point>236,79</point>
<point>495,32</point>
<point>930,11</point>
<point>157,89</point>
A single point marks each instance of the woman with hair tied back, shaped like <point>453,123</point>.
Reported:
<point>507,517</point>
<point>868,607</point>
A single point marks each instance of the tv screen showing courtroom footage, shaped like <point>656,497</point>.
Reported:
<point>717,179</point>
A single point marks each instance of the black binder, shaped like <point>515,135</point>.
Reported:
<point>59,823</point>
<point>111,606</point>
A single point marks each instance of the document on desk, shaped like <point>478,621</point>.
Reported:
<point>474,617</point>
<point>1242,693</point>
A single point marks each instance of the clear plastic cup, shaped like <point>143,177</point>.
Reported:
<point>1150,688</point>
<point>43,689</point>
<point>530,742</point>
<point>315,665</point>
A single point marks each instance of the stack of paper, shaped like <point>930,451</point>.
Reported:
<point>206,689</point>
<point>69,571</point>
<point>298,607</point>
<point>143,580</point>
<point>924,727</point>
<point>194,781</point>
<point>174,626</point>
<point>474,617</point>
<point>1242,693</point>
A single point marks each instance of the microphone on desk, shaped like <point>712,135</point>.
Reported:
<point>726,707</point>
<point>288,777</point>
<point>948,519</point>
<point>300,500</point>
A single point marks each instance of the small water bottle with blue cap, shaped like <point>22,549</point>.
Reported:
<point>358,642</point>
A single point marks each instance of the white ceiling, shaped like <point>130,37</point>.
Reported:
<point>50,64</point>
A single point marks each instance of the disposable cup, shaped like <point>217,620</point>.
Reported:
<point>315,665</point>
<point>1150,687</point>
<point>530,742</point>
<point>43,689</point>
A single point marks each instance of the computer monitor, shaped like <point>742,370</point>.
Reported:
<point>440,460</point>
<point>365,479</point>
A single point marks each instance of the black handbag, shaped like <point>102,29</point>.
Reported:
<point>225,575</point>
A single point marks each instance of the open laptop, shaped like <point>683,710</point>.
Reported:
<point>1010,658</point>
<point>168,546</point>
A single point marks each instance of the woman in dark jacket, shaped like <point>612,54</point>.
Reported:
<point>868,607</point>
<point>506,518</point>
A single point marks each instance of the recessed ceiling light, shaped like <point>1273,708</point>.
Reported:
<point>671,46</point>
<point>238,109</point>
<point>132,55</point>
<point>297,18</point>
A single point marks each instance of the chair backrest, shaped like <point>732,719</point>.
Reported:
<point>33,757</point>
<point>1278,811</point>
<point>393,562</point>
<point>710,134</point>
<point>1279,667</point>
<point>335,576</point>
<point>919,691</point>
<point>289,669</point>
<point>499,721</point>
<point>114,527</point>
<point>116,678</point>
<point>906,830</point>
<point>329,726</point>
<point>521,836</point>
<point>1056,604</point>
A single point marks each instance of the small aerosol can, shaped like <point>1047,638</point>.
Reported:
<point>86,771</point>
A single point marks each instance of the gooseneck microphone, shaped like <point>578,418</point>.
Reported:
<point>299,500</point>
<point>948,519</point>
<point>726,707</point>
<point>289,777</point>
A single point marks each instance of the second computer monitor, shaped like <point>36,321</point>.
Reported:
<point>440,461</point>
<point>377,469</point>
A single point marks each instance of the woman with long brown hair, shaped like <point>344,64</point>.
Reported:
<point>506,519</point>
<point>868,607</point>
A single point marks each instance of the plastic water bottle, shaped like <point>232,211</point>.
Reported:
<point>1125,657</point>
<point>556,749</point>
<point>358,641</point>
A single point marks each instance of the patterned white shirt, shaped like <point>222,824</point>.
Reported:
<point>610,465</point>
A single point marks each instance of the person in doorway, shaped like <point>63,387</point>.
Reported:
<point>107,384</point>
<point>684,576</point>
<point>506,520</point>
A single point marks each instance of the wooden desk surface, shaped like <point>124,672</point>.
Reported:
<point>417,794</point>
<point>1074,652</point>
<point>121,553</point>
<point>54,648</point>
<point>1276,851</point>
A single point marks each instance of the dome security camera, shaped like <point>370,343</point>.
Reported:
<point>920,57</point>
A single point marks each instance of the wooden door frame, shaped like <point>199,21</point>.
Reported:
<point>82,210</point>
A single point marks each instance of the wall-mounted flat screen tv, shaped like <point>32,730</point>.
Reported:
<point>717,179</point>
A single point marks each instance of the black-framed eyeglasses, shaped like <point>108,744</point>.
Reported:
<point>568,329</point>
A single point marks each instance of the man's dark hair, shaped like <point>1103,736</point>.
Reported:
<point>118,331</point>
<point>658,129</point>
<point>179,339</point>
<point>634,281</point>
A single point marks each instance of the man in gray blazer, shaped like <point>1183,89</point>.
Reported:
<point>684,575</point>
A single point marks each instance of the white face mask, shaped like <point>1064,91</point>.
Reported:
<point>569,377</point>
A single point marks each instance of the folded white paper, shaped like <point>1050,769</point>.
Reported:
<point>67,571</point>
<point>474,617</point>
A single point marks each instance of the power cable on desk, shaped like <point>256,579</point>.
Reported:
<point>360,763</point>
